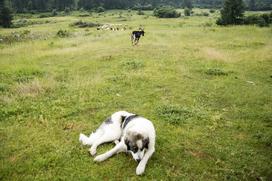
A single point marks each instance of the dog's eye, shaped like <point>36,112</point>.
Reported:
<point>135,148</point>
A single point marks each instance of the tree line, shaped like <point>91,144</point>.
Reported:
<point>21,6</point>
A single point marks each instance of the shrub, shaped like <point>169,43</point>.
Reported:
<point>205,14</point>
<point>216,72</point>
<point>140,12</point>
<point>187,12</point>
<point>82,24</point>
<point>20,23</point>
<point>63,33</point>
<point>84,15</point>
<point>267,17</point>
<point>143,7</point>
<point>260,20</point>
<point>67,10</point>
<point>99,9</point>
<point>54,12</point>
<point>212,11</point>
<point>16,36</point>
<point>44,16</point>
<point>166,12</point>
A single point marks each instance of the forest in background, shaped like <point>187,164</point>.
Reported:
<point>25,6</point>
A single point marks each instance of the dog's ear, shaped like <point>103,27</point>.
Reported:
<point>127,144</point>
<point>146,143</point>
<point>138,136</point>
<point>135,135</point>
<point>123,119</point>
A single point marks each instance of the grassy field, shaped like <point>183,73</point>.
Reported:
<point>206,88</point>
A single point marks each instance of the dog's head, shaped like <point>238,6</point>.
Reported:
<point>142,31</point>
<point>136,145</point>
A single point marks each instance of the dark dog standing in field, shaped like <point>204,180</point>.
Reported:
<point>136,35</point>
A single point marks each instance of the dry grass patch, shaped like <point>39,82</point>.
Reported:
<point>213,54</point>
<point>34,88</point>
<point>30,89</point>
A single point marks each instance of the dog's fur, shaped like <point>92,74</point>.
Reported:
<point>136,35</point>
<point>130,132</point>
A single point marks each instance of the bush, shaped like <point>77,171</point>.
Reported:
<point>267,17</point>
<point>16,36</point>
<point>67,10</point>
<point>82,24</point>
<point>140,12</point>
<point>54,12</point>
<point>99,9</point>
<point>187,12</point>
<point>63,33</point>
<point>205,14</point>
<point>143,7</point>
<point>84,15</point>
<point>216,72</point>
<point>212,11</point>
<point>260,20</point>
<point>44,16</point>
<point>166,12</point>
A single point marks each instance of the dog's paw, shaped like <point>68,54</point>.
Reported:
<point>92,151</point>
<point>140,170</point>
<point>99,158</point>
<point>116,142</point>
<point>82,139</point>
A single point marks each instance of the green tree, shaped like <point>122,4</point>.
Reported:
<point>6,17</point>
<point>232,12</point>
<point>252,5</point>
<point>187,4</point>
<point>187,12</point>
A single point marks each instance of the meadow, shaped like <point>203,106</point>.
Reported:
<point>206,88</point>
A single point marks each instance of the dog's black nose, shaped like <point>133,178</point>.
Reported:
<point>138,160</point>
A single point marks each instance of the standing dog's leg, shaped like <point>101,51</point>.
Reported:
<point>136,41</point>
<point>132,39</point>
<point>141,167</point>
<point>120,147</point>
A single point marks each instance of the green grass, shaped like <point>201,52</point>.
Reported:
<point>206,88</point>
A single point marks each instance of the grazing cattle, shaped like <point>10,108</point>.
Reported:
<point>136,35</point>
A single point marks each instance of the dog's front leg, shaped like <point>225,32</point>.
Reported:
<point>120,147</point>
<point>141,167</point>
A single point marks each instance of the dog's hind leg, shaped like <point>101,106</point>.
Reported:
<point>120,147</point>
<point>106,137</point>
<point>83,139</point>
<point>93,136</point>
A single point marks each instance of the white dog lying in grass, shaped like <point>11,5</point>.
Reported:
<point>130,132</point>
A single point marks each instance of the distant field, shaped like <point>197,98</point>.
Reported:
<point>208,90</point>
